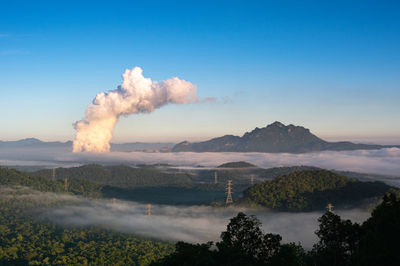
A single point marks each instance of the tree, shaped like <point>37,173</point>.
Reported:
<point>244,237</point>
<point>190,255</point>
<point>243,243</point>
<point>338,240</point>
<point>379,244</point>
<point>290,254</point>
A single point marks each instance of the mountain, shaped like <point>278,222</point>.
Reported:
<point>273,138</point>
<point>34,143</point>
<point>122,147</point>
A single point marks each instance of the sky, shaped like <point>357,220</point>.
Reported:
<point>330,66</point>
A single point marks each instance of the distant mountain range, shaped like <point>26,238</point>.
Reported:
<point>123,147</point>
<point>34,143</point>
<point>273,138</point>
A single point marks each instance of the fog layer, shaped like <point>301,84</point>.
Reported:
<point>384,161</point>
<point>191,224</point>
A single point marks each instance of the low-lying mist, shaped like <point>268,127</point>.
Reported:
<point>195,224</point>
<point>191,224</point>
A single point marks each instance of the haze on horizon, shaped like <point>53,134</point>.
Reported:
<point>330,67</point>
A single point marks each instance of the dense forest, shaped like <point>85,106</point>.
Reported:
<point>120,176</point>
<point>162,184</point>
<point>341,243</point>
<point>77,186</point>
<point>26,239</point>
<point>298,188</point>
<point>165,175</point>
<point>311,190</point>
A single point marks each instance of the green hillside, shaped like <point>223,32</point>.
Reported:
<point>240,164</point>
<point>77,186</point>
<point>311,190</point>
<point>120,175</point>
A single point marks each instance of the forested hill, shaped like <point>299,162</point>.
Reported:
<point>311,190</point>
<point>77,186</point>
<point>120,175</point>
<point>11,177</point>
<point>240,164</point>
<point>273,138</point>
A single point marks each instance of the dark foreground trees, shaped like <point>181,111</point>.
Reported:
<point>379,243</point>
<point>338,240</point>
<point>341,243</point>
<point>243,243</point>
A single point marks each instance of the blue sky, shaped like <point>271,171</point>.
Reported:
<point>331,66</point>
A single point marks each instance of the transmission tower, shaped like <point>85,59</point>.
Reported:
<point>149,209</point>
<point>66,184</point>
<point>252,179</point>
<point>229,192</point>
<point>215,177</point>
<point>53,174</point>
<point>114,202</point>
<point>329,207</point>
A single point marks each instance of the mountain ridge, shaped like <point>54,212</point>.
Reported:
<point>274,138</point>
<point>121,147</point>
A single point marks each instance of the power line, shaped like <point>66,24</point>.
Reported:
<point>229,192</point>
<point>114,202</point>
<point>66,184</point>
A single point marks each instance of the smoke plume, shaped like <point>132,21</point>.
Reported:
<point>136,94</point>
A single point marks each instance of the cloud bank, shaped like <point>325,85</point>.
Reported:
<point>191,224</point>
<point>384,161</point>
<point>136,94</point>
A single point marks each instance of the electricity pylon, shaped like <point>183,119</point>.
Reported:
<point>53,174</point>
<point>252,179</point>
<point>229,192</point>
<point>215,177</point>
<point>66,184</point>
